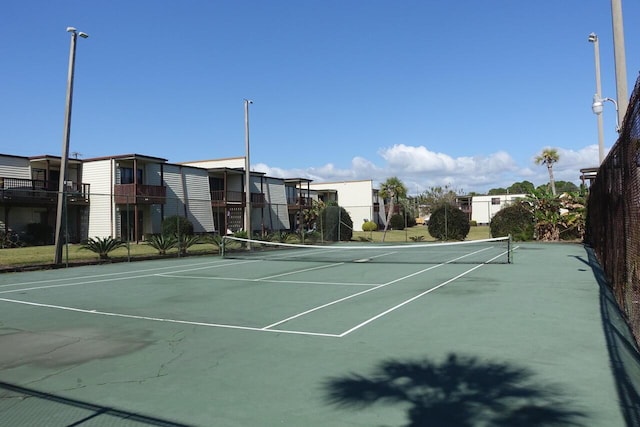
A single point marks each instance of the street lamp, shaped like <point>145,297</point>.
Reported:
<point>598,106</point>
<point>593,38</point>
<point>247,171</point>
<point>64,161</point>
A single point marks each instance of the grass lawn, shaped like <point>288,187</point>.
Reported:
<point>475,233</point>
<point>44,255</point>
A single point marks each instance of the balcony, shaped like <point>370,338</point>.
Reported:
<point>20,191</point>
<point>139,194</point>
<point>220,198</point>
<point>299,203</point>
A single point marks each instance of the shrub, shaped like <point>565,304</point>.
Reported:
<point>185,241</point>
<point>335,224</point>
<point>161,243</point>
<point>397,222</point>
<point>473,223</point>
<point>369,226</point>
<point>177,225</point>
<point>516,220</point>
<point>103,246</point>
<point>448,222</point>
<point>312,237</point>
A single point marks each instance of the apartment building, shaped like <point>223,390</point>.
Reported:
<point>28,188</point>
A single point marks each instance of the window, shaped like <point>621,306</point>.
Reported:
<point>216,184</point>
<point>495,200</point>
<point>126,176</point>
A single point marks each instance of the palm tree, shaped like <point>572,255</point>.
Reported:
<point>548,157</point>
<point>392,189</point>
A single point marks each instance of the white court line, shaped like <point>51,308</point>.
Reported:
<point>371,289</point>
<point>160,319</point>
<point>384,313</point>
<point>268,328</point>
<point>304,270</point>
<point>348,297</point>
<point>239,279</point>
<point>114,274</point>
<point>114,279</point>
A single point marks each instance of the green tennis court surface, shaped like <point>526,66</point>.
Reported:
<point>206,341</point>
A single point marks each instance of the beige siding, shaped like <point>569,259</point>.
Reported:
<point>102,211</point>
<point>199,211</point>
<point>275,215</point>
<point>14,167</point>
<point>188,195</point>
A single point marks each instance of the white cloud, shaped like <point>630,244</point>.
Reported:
<point>419,168</point>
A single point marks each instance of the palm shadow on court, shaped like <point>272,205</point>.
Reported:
<point>461,391</point>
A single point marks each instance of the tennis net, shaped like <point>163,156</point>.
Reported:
<point>486,251</point>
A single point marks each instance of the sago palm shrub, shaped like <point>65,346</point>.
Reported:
<point>162,243</point>
<point>103,246</point>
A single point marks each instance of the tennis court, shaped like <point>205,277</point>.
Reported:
<point>319,341</point>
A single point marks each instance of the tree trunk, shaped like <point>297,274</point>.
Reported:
<point>389,215</point>
<point>552,182</point>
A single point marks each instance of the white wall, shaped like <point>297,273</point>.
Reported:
<point>100,175</point>
<point>231,163</point>
<point>483,208</point>
<point>354,196</point>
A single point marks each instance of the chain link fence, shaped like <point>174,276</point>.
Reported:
<point>613,222</point>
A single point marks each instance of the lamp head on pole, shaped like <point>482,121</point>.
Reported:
<point>75,31</point>
<point>593,38</point>
<point>598,104</point>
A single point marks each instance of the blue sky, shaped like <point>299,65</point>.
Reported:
<point>462,93</point>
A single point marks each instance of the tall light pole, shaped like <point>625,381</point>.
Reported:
<point>247,171</point>
<point>593,38</point>
<point>64,161</point>
<point>620,61</point>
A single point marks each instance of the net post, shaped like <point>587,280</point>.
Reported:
<point>222,244</point>
<point>509,253</point>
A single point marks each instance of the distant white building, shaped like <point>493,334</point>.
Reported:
<point>483,208</point>
<point>359,198</point>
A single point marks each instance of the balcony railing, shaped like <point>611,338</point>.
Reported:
<point>299,202</point>
<point>139,194</point>
<point>38,191</point>
<point>236,198</point>
<point>225,198</point>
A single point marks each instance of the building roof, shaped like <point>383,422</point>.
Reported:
<point>129,157</point>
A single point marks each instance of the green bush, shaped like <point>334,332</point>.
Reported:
<point>102,246</point>
<point>177,225</point>
<point>161,243</point>
<point>369,226</point>
<point>185,241</point>
<point>515,220</point>
<point>333,220</point>
<point>473,223</point>
<point>448,222</point>
<point>397,222</point>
